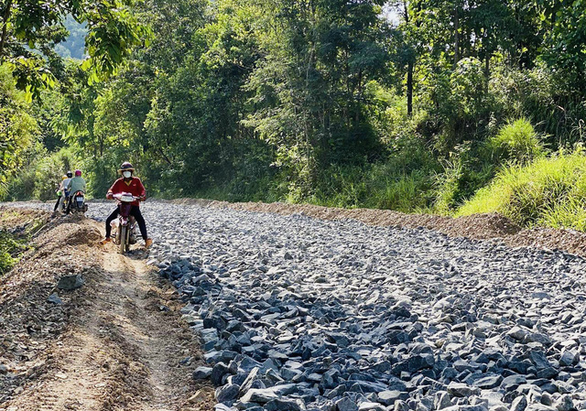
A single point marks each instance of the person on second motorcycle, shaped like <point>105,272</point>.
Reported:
<point>60,193</point>
<point>75,184</point>
<point>65,184</point>
<point>128,184</point>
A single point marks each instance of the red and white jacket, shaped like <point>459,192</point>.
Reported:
<point>131,185</point>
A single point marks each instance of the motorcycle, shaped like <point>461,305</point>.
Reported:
<point>78,204</point>
<point>125,229</point>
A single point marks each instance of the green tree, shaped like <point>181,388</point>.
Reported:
<point>309,88</point>
<point>18,129</point>
<point>566,39</point>
<point>29,30</point>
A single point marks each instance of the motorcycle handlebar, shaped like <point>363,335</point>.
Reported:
<point>134,198</point>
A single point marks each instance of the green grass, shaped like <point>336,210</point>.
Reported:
<point>10,248</point>
<point>517,141</point>
<point>548,192</point>
<point>380,186</point>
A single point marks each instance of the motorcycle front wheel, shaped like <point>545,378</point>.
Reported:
<point>123,233</point>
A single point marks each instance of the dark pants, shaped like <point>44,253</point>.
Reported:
<point>68,207</point>
<point>57,203</point>
<point>69,201</point>
<point>135,212</point>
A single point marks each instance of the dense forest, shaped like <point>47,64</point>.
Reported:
<point>450,107</point>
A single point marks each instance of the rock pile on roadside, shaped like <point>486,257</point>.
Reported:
<point>301,314</point>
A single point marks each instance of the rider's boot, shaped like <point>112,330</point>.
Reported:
<point>147,243</point>
<point>106,240</point>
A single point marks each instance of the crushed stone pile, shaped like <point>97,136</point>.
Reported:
<point>297,313</point>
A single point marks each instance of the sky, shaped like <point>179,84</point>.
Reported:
<point>391,14</point>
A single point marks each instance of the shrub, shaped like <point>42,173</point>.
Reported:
<point>374,187</point>
<point>402,182</point>
<point>548,192</point>
<point>460,108</point>
<point>465,171</point>
<point>9,249</point>
<point>542,95</point>
<point>6,261</point>
<point>517,141</point>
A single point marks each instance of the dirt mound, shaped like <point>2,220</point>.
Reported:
<point>570,241</point>
<point>478,226</point>
<point>116,343</point>
<point>88,235</point>
<point>29,321</point>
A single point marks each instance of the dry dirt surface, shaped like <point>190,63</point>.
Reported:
<point>116,343</point>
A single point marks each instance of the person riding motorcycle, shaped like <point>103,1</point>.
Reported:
<point>75,184</point>
<point>128,184</point>
<point>65,184</point>
<point>59,192</point>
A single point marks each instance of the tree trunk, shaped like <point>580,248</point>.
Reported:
<point>456,36</point>
<point>410,89</point>
<point>5,17</point>
<point>487,69</point>
<point>409,69</point>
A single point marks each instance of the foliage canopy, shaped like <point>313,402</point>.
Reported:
<point>306,100</point>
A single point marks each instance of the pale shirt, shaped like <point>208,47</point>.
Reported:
<point>65,183</point>
<point>76,184</point>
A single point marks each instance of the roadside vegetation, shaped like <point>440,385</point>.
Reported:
<point>548,192</point>
<point>11,247</point>
<point>449,108</point>
<point>16,230</point>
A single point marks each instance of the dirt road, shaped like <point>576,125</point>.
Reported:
<point>120,343</point>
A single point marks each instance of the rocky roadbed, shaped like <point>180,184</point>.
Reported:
<point>477,227</point>
<point>84,328</point>
<point>297,313</point>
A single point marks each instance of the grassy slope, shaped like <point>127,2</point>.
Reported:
<point>548,192</point>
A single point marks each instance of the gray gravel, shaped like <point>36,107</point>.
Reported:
<point>301,314</point>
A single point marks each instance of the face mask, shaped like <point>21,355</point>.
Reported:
<point>127,174</point>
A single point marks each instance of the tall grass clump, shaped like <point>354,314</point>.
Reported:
<point>517,141</point>
<point>448,186</point>
<point>547,192</point>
